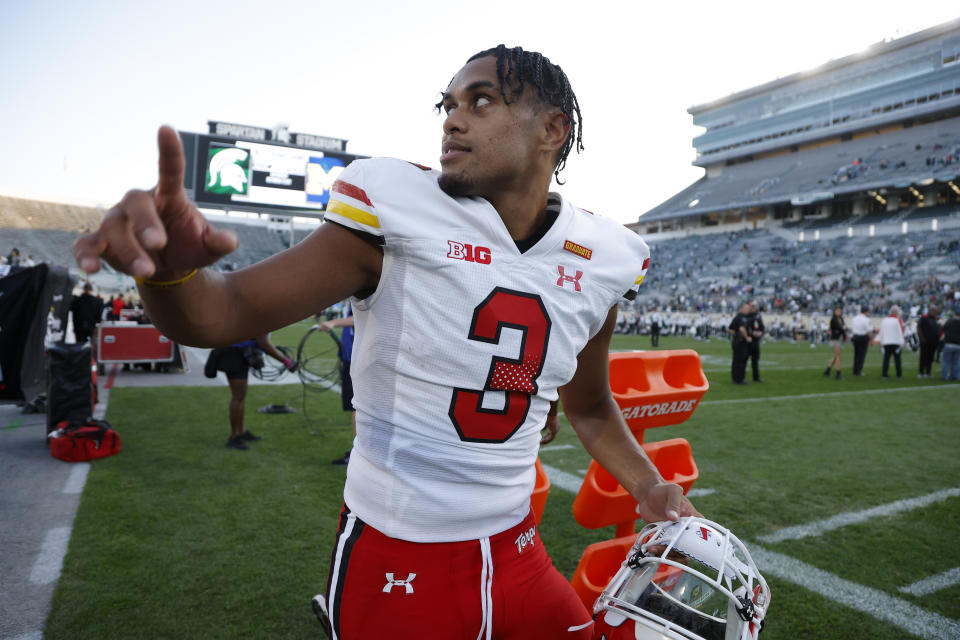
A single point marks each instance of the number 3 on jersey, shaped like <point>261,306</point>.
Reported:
<point>516,378</point>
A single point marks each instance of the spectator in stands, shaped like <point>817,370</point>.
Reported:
<point>235,361</point>
<point>891,337</point>
<point>950,369</point>
<point>344,355</point>
<point>862,334</point>
<point>756,329</point>
<point>86,309</point>
<point>928,333</point>
<point>838,334</point>
<point>14,259</point>
<point>741,339</point>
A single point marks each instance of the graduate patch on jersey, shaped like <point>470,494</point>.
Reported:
<point>577,249</point>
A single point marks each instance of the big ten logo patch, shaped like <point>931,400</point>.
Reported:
<point>526,539</point>
<point>468,252</point>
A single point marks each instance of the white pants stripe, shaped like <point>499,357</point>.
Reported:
<point>333,607</point>
<point>486,591</point>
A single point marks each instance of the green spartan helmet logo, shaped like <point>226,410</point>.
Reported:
<point>227,171</point>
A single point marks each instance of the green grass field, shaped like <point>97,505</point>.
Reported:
<point>180,537</point>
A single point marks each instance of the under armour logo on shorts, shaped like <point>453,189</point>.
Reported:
<point>405,583</point>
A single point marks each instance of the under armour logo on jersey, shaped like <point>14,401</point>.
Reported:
<point>405,583</point>
<point>564,278</point>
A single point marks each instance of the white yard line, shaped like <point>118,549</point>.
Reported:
<point>557,447</point>
<point>562,479</point>
<point>909,617</point>
<point>933,584</point>
<point>819,527</point>
<point>49,562</point>
<point>807,396</point>
<point>77,478</point>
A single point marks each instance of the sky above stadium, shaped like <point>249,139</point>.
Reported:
<point>84,85</point>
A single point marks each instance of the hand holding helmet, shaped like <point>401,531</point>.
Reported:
<point>686,580</point>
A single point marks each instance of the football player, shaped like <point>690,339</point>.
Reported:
<point>479,297</point>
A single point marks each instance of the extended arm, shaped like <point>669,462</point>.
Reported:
<point>160,235</point>
<point>263,341</point>
<point>215,309</point>
<point>595,416</point>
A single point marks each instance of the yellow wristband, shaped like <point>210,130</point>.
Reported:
<point>166,284</point>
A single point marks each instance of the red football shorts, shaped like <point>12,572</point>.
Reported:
<point>503,587</point>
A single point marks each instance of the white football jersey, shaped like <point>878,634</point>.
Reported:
<point>462,347</point>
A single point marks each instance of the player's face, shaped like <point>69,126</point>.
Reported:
<point>488,146</point>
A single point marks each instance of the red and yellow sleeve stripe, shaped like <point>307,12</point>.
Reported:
<point>646,265</point>
<point>352,203</point>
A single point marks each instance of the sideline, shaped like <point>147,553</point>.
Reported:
<point>807,396</point>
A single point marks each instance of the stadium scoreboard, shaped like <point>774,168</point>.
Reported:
<point>247,168</point>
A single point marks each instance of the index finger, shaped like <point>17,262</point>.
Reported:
<point>171,163</point>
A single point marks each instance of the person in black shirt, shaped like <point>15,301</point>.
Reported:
<point>950,369</point>
<point>86,309</point>
<point>741,344</point>
<point>928,331</point>
<point>837,335</point>
<point>756,330</point>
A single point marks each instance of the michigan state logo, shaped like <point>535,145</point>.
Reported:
<point>228,170</point>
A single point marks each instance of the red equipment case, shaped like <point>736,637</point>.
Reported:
<point>131,343</point>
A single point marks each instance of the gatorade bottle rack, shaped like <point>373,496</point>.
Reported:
<point>652,389</point>
<point>656,388</point>
<point>538,499</point>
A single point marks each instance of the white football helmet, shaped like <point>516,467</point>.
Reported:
<point>686,580</point>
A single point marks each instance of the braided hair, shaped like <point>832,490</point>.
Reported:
<point>516,68</point>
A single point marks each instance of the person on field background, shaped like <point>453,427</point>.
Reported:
<point>235,361</point>
<point>838,334</point>
<point>892,340</point>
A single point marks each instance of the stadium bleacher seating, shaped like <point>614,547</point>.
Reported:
<point>713,273</point>
<point>709,273</point>
<point>21,213</point>
<point>903,156</point>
